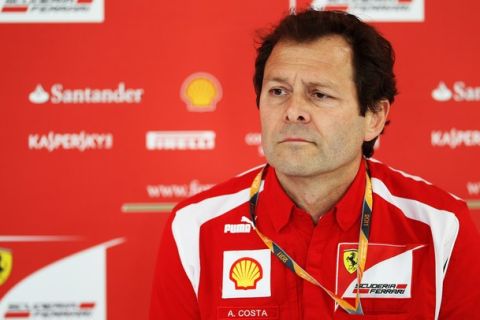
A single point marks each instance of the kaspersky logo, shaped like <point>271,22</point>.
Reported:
<point>245,273</point>
<point>58,94</point>
<point>459,92</point>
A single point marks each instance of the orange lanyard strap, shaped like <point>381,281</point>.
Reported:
<point>294,267</point>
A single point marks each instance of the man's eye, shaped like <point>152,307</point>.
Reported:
<point>277,92</point>
<point>320,95</point>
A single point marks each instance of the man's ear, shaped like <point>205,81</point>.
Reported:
<point>375,121</point>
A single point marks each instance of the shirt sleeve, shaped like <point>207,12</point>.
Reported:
<point>461,291</point>
<point>172,296</point>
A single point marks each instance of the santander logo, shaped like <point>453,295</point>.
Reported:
<point>39,95</point>
<point>459,92</point>
<point>59,94</point>
<point>442,93</point>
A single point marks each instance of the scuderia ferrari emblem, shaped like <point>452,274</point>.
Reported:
<point>350,260</point>
<point>5,264</point>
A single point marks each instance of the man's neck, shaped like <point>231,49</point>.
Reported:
<point>318,194</point>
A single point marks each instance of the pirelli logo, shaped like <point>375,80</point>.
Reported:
<point>381,288</point>
<point>180,140</point>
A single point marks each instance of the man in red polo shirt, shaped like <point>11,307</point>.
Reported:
<point>321,232</point>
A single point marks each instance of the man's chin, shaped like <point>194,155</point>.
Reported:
<point>293,169</point>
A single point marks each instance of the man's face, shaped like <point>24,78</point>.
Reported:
<point>309,111</point>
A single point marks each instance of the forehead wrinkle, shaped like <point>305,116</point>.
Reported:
<point>287,56</point>
<point>324,83</point>
<point>279,79</point>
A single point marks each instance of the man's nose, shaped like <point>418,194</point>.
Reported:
<point>297,109</point>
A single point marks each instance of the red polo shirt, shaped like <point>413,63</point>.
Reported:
<point>212,265</point>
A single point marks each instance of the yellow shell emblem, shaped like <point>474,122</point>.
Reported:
<point>245,273</point>
<point>5,264</point>
<point>201,92</point>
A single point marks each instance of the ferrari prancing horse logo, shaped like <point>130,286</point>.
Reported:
<point>350,260</point>
<point>5,264</point>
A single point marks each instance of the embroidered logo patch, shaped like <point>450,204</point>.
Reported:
<point>5,264</point>
<point>246,274</point>
<point>388,272</point>
<point>350,260</point>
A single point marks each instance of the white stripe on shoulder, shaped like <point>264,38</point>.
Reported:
<point>186,228</point>
<point>443,224</point>
<point>416,178</point>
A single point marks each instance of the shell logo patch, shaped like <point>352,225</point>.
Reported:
<point>201,92</point>
<point>246,274</point>
<point>5,264</point>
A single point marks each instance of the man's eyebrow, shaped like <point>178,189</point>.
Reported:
<point>277,79</point>
<point>322,84</point>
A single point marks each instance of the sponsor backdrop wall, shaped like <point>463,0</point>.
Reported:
<point>113,111</point>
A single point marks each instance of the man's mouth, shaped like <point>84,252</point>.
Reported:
<point>295,139</point>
